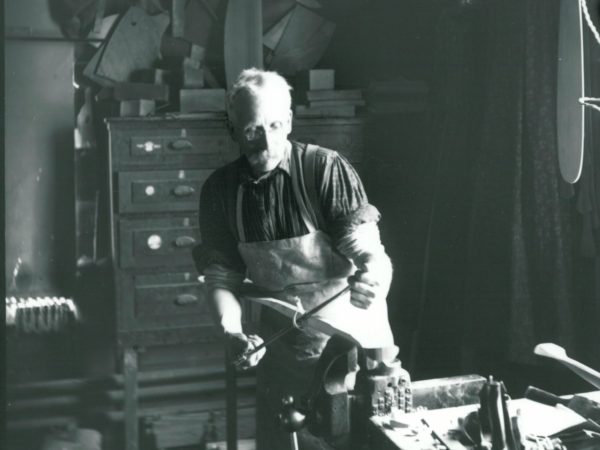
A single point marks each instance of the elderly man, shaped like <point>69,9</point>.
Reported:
<point>296,221</point>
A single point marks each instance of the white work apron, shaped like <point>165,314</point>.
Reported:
<point>308,268</point>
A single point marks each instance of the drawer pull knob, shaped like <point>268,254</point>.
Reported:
<point>186,299</point>
<point>184,241</point>
<point>154,242</point>
<point>181,144</point>
<point>148,146</point>
<point>183,191</point>
<point>150,190</point>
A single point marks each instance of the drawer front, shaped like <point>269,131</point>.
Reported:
<point>346,139</point>
<point>161,190</point>
<point>165,300</point>
<point>201,147</point>
<point>158,242</point>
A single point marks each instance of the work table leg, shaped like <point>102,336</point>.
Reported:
<point>130,372</point>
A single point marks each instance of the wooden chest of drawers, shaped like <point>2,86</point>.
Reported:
<point>157,169</point>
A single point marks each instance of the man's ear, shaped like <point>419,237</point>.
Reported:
<point>290,120</point>
<point>231,129</point>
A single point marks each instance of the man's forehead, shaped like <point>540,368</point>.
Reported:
<point>261,104</point>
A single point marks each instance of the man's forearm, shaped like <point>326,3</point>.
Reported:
<point>226,310</point>
<point>379,266</point>
<point>221,283</point>
<point>362,245</point>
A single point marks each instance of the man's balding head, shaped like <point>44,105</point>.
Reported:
<point>254,84</point>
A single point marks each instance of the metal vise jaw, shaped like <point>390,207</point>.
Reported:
<point>329,402</point>
<point>383,386</point>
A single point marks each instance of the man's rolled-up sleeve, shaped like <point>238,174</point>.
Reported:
<point>218,251</point>
<point>344,202</point>
<point>353,222</point>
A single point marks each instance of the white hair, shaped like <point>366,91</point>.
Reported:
<point>254,81</point>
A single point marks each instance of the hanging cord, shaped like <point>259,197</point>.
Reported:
<point>587,101</point>
<point>588,19</point>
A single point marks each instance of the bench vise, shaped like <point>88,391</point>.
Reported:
<point>348,387</point>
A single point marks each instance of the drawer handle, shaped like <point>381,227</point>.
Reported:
<point>184,241</point>
<point>148,146</point>
<point>181,144</point>
<point>183,190</point>
<point>186,299</point>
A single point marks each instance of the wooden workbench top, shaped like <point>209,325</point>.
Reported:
<point>409,433</point>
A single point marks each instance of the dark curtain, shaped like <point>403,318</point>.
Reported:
<point>519,273</point>
<point>444,206</point>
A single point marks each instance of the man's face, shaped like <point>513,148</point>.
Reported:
<point>261,127</point>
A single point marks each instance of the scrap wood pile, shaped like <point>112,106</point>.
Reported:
<point>179,56</point>
<point>148,63</point>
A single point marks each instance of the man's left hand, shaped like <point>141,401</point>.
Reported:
<point>364,289</point>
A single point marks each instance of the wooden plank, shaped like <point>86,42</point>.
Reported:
<point>191,63</point>
<point>327,103</point>
<point>38,404</point>
<point>174,48</point>
<point>243,37</point>
<point>90,69</point>
<point>231,385</point>
<point>177,17</point>
<point>334,94</point>
<point>141,91</point>
<point>39,388</point>
<point>273,36</point>
<point>130,407</point>
<point>155,76</point>
<point>183,389</point>
<point>193,78</point>
<point>133,45</point>
<point>243,444</point>
<point>136,108</point>
<point>303,43</point>
<point>202,100</point>
<point>321,79</point>
<point>197,53</point>
<point>14,426</point>
<point>154,411</point>
<point>326,111</point>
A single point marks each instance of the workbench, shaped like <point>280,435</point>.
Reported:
<point>408,432</point>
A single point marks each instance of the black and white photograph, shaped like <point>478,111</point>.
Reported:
<point>301,224</point>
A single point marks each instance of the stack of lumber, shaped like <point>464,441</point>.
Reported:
<point>323,100</point>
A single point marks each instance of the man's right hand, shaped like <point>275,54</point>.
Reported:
<point>239,343</point>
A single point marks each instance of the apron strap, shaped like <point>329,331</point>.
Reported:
<point>238,213</point>
<point>310,183</point>
<point>297,176</point>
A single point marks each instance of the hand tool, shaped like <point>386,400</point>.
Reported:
<point>585,407</point>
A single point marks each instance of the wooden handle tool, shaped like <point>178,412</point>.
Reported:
<point>558,353</point>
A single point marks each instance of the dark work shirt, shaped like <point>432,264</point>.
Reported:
<point>270,210</point>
